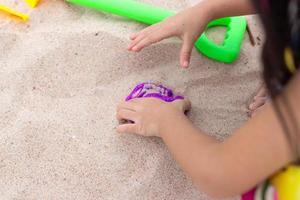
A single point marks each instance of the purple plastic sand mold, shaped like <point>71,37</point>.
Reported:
<point>149,89</point>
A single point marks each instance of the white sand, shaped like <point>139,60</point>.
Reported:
<point>61,77</point>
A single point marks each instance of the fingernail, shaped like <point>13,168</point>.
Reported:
<point>251,106</point>
<point>185,64</point>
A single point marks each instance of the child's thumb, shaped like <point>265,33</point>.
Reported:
<point>183,105</point>
<point>185,53</point>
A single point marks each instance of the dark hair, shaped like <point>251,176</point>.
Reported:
<point>281,19</point>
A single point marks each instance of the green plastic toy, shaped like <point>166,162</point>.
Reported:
<point>227,52</point>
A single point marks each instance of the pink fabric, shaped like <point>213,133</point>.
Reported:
<point>249,195</point>
<point>276,195</point>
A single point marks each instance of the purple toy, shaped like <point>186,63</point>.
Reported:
<point>149,89</point>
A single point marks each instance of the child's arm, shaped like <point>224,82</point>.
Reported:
<point>253,153</point>
<point>189,24</point>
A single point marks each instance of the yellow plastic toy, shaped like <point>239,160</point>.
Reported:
<point>23,16</point>
<point>32,3</point>
<point>287,183</point>
<point>14,12</point>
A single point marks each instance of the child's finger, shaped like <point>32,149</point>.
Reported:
<point>154,33</point>
<point>136,41</point>
<point>184,105</point>
<point>185,53</point>
<point>127,128</point>
<point>140,36</point>
<point>133,36</point>
<point>129,105</point>
<point>257,103</point>
<point>262,92</point>
<point>144,31</point>
<point>152,38</point>
<point>126,114</point>
<point>142,44</point>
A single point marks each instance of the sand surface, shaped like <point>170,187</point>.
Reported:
<point>61,77</point>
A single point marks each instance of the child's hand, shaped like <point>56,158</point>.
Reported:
<point>148,114</point>
<point>187,25</point>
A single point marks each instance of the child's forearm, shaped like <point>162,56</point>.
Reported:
<point>253,153</point>
<point>224,8</point>
<point>195,151</point>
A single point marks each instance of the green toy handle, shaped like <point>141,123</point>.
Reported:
<point>145,13</point>
<point>228,52</point>
<point>131,9</point>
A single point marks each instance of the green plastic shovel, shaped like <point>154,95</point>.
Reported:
<point>227,52</point>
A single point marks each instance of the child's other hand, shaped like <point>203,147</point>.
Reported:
<point>148,114</point>
<point>187,25</point>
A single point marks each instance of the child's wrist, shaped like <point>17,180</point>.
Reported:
<point>169,121</point>
<point>207,10</point>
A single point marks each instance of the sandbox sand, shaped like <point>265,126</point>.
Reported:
<point>62,75</point>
